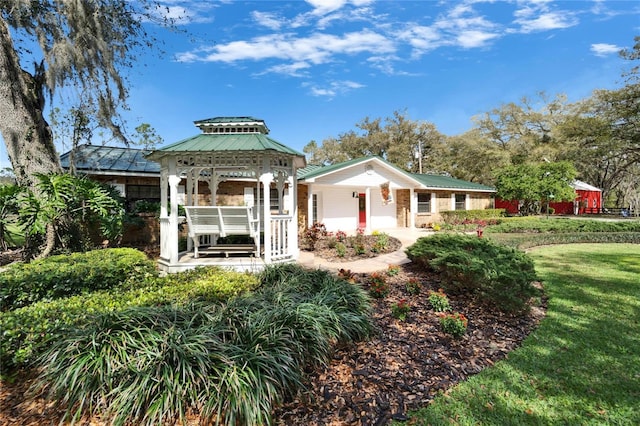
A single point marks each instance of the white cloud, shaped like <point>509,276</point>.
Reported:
<point>533,16</point>
<point>460,26</point>
<point>269,20</point>
<point>292,70</point>
<point>315,49</point>
<point>334,88</point>
<point>604,49</point>
<point>473,38</point>
<point>185,12</point>
<point>322,7</point>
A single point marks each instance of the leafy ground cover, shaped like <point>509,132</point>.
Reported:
<point>581,366</point>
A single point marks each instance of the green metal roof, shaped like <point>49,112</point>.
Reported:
<point>206,142</point>
<point>429,181</point>
<point>446,182</point>
<point>307,170</point>
<point>310,172</point>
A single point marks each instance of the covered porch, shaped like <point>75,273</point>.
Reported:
<point>229,149</point>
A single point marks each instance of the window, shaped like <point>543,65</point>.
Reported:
<point>314,199</point>
<point>424,202</point>
<point>274,200</point>
<point>461,202</point>
<point>143,192</point>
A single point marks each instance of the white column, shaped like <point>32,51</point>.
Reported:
<point>213,186</point>
<point>453,201</point>
<point>266,179</point>
<point>367,212</point>
<point>413,208</point>
<point>292,232</point>
<point>467,201</point>
<point>434,202</point>
<point>174,181</point>
<point>189,199</point>
<point>310,218</point>
<point>165,252</point>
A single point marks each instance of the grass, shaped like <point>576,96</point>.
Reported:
<point>581,366</point>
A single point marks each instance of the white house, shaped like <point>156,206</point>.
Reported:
<point>369,193</point>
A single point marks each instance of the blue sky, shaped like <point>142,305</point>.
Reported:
<point>313,69</point>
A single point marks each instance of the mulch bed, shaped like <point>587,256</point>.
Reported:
<point>401,368</point>
<point>406,363</point>
<point>325,248</point>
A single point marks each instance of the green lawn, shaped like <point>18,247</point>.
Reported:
<point>581,366</point>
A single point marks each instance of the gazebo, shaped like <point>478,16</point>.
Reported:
<point>230,149</point>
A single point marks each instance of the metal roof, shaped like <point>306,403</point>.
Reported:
<point>583,186</point>
<point>109,159</point>
<point>206,142</point>
<point>314,171</point>
<point>446,182</point>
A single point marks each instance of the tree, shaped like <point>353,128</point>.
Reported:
<point>86,44</point>
<point>525,131</point>
<point>603,134</point>
<point>397,141</point>
<point>535,185</point>
<point>67,208</point>
<point>472,157</point>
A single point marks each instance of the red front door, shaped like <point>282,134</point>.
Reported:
<point>362,210</point>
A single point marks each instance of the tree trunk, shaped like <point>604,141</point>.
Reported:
<point>25,131</point>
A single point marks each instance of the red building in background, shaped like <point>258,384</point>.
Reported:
<point>588,200</point>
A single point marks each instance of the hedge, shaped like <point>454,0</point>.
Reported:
<point>454,217</point>
<point>493,273</point>
<point>22,284</point>
<point>562,225</point>
<point>27,331</point>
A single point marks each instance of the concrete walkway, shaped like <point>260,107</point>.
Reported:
<point>406,236</point>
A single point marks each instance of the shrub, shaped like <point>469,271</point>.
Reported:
<point>341,250</point>
<point>27,331</point>
<point>496,274</point>
<point>456,217</point>
<point>313,234</point>
<point>378,286</point>
<point>381,243</point>
<point>400,309</point>
<point>66,275</point>
<point>536,225</point>
<point>439,301</point>
<point>393,270</point>
<point>231,361</point>
<point>454,324</point>
<point>413,286</point>
<point>347,275</point>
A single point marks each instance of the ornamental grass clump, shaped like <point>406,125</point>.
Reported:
<point>228,361</point>
<point>439,301</point>
<point>454,323</point>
